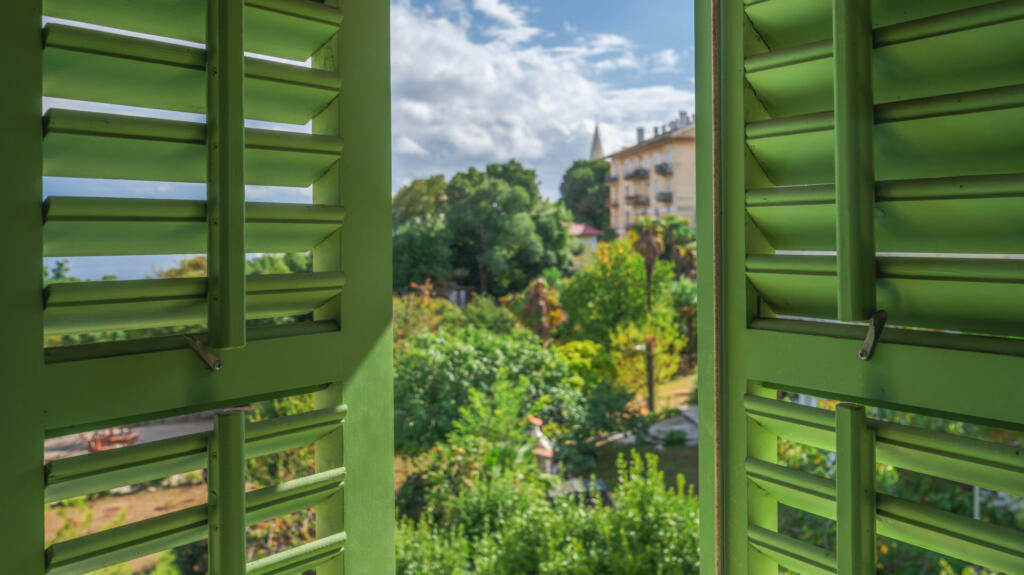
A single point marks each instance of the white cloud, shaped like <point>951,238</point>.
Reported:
<point>665,61</point>
<point>511,21</point>
<point>408,146</point>
<point>471,102</point>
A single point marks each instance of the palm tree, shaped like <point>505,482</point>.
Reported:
<point>648,243</point>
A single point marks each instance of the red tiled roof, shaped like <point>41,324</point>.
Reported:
<point>578,229</point>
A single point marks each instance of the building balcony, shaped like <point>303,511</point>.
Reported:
<point>664,197</point>
<point>639,174</point>
<point>612,179</point>
<point>638,201</point>
<point>664,168</point>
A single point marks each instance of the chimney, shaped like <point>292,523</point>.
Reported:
<point>656,131</point>
<point>639,135</point>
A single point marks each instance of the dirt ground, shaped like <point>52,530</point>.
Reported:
<point>136,507</point>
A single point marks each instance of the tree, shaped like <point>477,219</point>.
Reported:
<point>291,263</point>
<point>649,245</point>
<point>194,267</point>
<point>678,238</point>
<point>609,292</point>
<point>503,233</point>
<point>418,201</point>
<point>422,252</point>
<point>647,351</point>
<point>585,193</point>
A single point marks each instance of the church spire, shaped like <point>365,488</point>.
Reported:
<point>596,149</point>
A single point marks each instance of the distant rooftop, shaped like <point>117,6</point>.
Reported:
<point>679,128</point>
<point>583,230</point>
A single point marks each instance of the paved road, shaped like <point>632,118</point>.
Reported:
<point>71,445</point>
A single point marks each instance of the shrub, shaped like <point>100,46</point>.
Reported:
<point>676,438</point>
<point>435,373</point>
<point>502,524</point>
<point>485,313</point>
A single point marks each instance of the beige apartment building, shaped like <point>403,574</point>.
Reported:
<point>655,177</point>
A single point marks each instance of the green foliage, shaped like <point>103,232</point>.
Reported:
<point>290,263</point>
<point>676,438</point>
<point>419,312</point>
<point>490,229</point>
<point>503,524</point>
<point>676,234</point>
<point>165,565</point>
<point>606,411</point>
<point>485,313</point>
<point>609,292</point>
<point>422,252</point>
<point>434,374</point>
<point>585,192</point>
<point>421,200</point>
<point>504,234</point>
<point>629,348</point>
<point>590,361</point>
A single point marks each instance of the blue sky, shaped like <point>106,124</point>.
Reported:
<point>482,81</point>
<point>479,81</point>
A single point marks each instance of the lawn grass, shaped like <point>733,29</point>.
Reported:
<point>672,461</point>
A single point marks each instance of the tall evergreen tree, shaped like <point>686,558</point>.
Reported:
<point>585,192</point>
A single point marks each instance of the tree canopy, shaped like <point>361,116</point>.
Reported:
<point>490,229</point>
<point>420,200</point>
<point>585,192</point>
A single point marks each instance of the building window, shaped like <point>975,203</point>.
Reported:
<point>657,187</point>
<point>657,158</point>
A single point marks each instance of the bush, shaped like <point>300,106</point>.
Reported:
<point>502,524</point>
<point>485,313</point>
<point>419,312</point>
<point>435,373</point>
<point>676,438</point>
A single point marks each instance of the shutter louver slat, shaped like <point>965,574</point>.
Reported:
<point>985,211</point>
<point>787,23</point>
<point>83,64</point>
<point>291,29</point>
<point>137,304</point>
<point>127,542</point>
<point>983,45</point>
<point>94,145</point>
<point>89,226</point>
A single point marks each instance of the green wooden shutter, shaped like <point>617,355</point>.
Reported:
<point>342,355</point>
<point>858,157</point>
